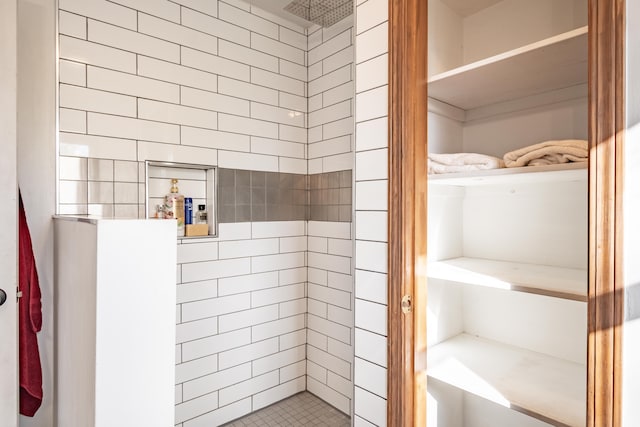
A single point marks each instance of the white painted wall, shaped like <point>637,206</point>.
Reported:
<point>445,127</point>
<point>502,133</point>
<point>8,211</point>
<point>506,25</point>
<point>514,23</point>
<point>631,330</point>
<point>444,24</point>
<point>36,167</point>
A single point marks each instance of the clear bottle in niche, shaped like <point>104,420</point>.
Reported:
<point>201,215</point>
<point>159,214</point>
<point>174,206</point>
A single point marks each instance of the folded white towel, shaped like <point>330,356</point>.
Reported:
<point>461,162</point>
<point>549,153</point>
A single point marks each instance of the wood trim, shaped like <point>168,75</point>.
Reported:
<point>406,379</point>
<point>621,126</point>
<point>606,139</point>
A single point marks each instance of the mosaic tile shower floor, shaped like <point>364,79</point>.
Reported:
<point>303,409</point>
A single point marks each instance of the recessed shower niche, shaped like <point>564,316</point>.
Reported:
<point>197,182</point>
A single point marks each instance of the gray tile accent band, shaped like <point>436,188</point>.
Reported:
<point>245,195</point>
<point>330,196</point>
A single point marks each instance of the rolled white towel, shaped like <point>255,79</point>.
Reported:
<point>548,153</point>
<point>461,162</point>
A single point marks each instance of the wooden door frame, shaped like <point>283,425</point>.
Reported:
<point>406,377</point>
<point>407,334</point>
<point>606,145</point>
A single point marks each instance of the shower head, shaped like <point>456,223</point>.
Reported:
<point>322,12</point>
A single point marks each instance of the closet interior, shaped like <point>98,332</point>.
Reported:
<point>507,247</point>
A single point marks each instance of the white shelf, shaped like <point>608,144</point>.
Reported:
<point>567,283</point>
<point>550,64</point>
<point>544,387</point>
<point>552,173</point>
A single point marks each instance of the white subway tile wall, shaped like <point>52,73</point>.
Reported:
<point>223,83</point>
<point>370,374</point>
<point>188,81</point>
<point>330,313</point>
<point>331,97</point>
<point>241,321</point>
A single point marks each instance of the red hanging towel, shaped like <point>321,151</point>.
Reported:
<point>30,322</point>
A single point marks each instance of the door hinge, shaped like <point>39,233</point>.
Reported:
<point>406,304</point>
<point>18,293</point>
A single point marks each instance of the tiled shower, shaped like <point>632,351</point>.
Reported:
<point>265,308</point>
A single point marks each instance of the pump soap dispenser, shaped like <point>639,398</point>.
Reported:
<point>174,206</point>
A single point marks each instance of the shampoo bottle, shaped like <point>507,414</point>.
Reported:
<point>174,206</point>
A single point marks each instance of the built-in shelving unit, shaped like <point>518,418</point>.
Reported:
<point>559,282</point>
<point>554,63</point>
<point>547,388</point>
<point>508,267</point>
